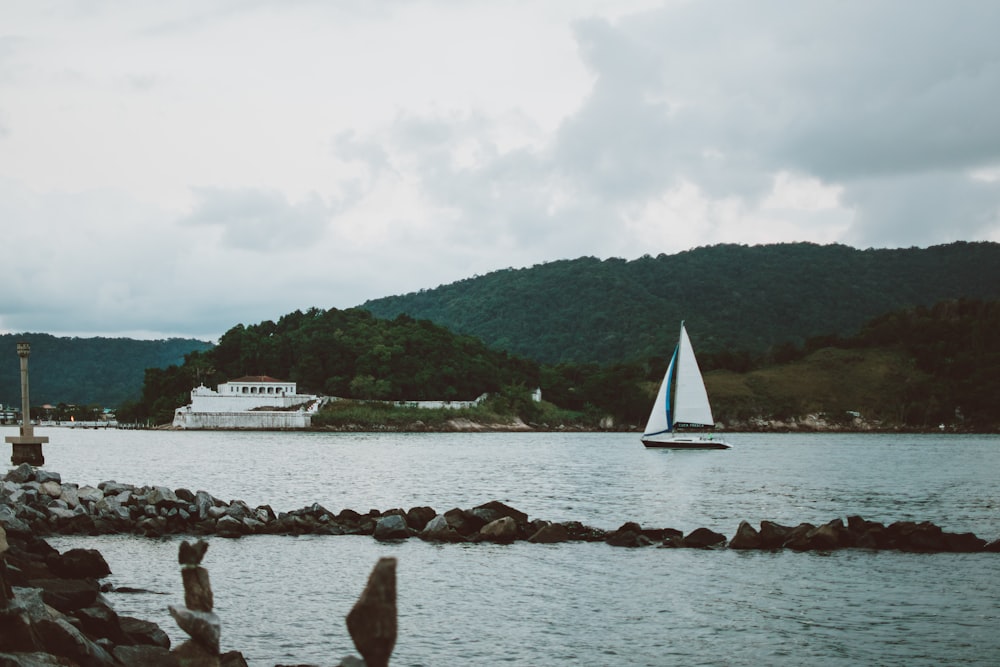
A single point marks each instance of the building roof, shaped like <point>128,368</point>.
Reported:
<point>259,378</point>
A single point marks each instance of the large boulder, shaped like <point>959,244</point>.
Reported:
<point>497,509</point>
<point>464,522</point>
<point>439,530</point>
<point>746,537</point>
<point>79,564</point>
<point>550,533</point>
<point>142,632</point>
<point>417,517</point>
<point>503,530</point>
<point>703,538</point>
<point>61,638</point>
<point>924,537</point>
<point>67,595</point>
<point>629,534</point>
<point>21,474</point>
<point>391,527</point>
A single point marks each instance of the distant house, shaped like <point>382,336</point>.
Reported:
<point>249,402</point>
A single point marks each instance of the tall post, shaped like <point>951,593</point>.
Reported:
<point>26,447</point>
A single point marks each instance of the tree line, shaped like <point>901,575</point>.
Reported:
<point>951,346</point>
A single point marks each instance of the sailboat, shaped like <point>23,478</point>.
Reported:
<point>682,402</point>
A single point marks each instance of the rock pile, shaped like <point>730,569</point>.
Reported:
<point>34,501</point>
<point>55,613</point>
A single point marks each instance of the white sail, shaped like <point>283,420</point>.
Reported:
<point>691,406</point>
<point>659,418</point>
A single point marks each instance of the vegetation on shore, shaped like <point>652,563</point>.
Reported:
<point>913,369</point>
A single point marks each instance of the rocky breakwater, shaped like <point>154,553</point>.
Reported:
<point>38,502</point>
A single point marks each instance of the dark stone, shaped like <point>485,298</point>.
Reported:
<point>924,537</point>
<point>16,631</point>
<point>34,659</point>
<point>191,554</point>
<point>464,522</point>
<point>61,638</point>
<point>197,589</point>
<point>964,542</point>
<point>372,620</point>
<point>141,632</point>
<point>232,659</point>
<point>628,538</point>
<point>746,537</point>
<point>992,547</point>
<point>797,537</point>
<point>67,595</point>
<point>703,538</point>
<point>21,474</point>
<point>101,621</point>
<point>203,627</point>
<point>184,494</point>
<point>193,654</point>
<point>502,510</point>
<point>552,533</point>
<point>417,517</point>
<point>773,535</point>
<point>79,564</point>
<point>145,656</point>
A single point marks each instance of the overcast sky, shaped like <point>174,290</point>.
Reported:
<point>177,168</point>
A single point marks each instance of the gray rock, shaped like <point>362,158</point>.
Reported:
<point>71,494</point>
<point>227,526</point>
<point>391,527</point>
<point>162,496</point>
<point>51,488</point>
<point>204,501</point>
<point>202,626</point>
<point>21,474</point>
<point>42,476</point>
<point>439,530</point>
<point>88,494</point>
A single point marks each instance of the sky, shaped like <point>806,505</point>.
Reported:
<point>178,168</point>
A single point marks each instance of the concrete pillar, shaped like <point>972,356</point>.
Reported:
<point>26,447</point>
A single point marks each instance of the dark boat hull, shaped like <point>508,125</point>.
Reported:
<point>685,443</point>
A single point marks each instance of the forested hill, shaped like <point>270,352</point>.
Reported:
<point>733,297</point>
<point>85,371</point>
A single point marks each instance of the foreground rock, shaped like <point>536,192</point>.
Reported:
<point>54,613</point>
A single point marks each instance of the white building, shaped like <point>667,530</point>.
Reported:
<point>250,402</point>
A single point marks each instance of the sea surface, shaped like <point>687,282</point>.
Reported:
<point>283,599</point>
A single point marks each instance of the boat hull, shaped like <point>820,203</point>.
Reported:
<point>684,442</point>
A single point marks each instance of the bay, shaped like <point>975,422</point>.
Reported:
<point>283,599</point>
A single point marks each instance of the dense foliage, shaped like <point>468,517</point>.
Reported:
<point>734,297</point>
<point>918,368</point>
<point>346,353</point>
<point>912,368</point>
<point>85,371</point>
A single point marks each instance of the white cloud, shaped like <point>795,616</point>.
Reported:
<point>186,166</point>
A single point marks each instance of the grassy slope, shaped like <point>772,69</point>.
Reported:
<point>831,381</point>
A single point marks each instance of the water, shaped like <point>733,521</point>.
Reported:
<point>283,599</point>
